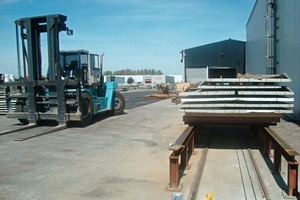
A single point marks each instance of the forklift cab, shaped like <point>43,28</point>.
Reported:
<point>81,65</point>
<point>71,70</point>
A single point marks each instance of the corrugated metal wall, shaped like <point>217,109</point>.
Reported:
<point>288,44</point>
<point>255,46</point>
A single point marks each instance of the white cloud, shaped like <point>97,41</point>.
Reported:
<point>6,2</point>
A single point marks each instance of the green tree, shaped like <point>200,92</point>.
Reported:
<point>108,73</point>
<point>134,72</point>
<point>130,80</point>
<point>158,72</point>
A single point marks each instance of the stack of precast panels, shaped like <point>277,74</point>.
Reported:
<point>241,97</point>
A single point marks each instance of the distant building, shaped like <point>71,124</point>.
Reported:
<point>177,78</point>
<point>147,79</point>
<point>122,79</point>
<point>224,58</point>
<point>158,79</point>
<point>6,78</point>
<point>117,79</point>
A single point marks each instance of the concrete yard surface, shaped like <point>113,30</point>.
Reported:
<point>121,157</point>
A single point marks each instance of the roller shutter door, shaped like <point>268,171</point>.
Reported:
<point>196,74</point>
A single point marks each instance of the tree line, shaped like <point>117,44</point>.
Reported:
<point>134,72</point>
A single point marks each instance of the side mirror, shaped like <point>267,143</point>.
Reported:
<point>69,31</point>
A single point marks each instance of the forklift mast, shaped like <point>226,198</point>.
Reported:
<point>30,32</point>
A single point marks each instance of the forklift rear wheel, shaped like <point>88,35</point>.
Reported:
<point>87,109</point>
<point>119,103</point>
<point>22,108</point>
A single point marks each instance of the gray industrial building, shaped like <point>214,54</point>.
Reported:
<point>224,58</point>
<point>273,42</point>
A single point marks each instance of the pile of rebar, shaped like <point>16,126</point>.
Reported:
<point>240,97</point>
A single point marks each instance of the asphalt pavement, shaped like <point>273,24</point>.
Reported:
<point>119,157</point>
<point>136,98</point>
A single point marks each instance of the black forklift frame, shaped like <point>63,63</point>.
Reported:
<point>30,29</point>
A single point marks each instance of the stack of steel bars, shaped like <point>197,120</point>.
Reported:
<point>3,107</point>
<point>250,99</point>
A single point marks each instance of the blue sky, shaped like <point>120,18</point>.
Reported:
<point>134,34</point>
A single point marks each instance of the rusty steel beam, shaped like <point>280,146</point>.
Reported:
<point>191,144</point>
<point>277,160</point>
<point>174,172</point>
<point>293,178</point>
<point>186,133</point>
<point>267,146</point>
<point>282,148</point>
<point>258,119</point>
<point>285,149</point>
<point>253,115</point>
<point>230,121</point>
<point>184,159</point>
<point>183,147</point>
<point>233,124</point>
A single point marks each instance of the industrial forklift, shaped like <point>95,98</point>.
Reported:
<point>69,88</point>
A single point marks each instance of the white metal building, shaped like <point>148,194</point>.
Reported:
<point>158,79</point>
<point>7,77</point>
<point>147,79</point>
<point>273,41</point>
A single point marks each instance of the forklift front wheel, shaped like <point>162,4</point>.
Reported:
<point>86,109</point>
<point>119,103</point>
<point>22,107</point>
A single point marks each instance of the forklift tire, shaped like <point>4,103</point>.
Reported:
<point>86,109</point>
<point>22,108</point>
<point>119,103</point>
